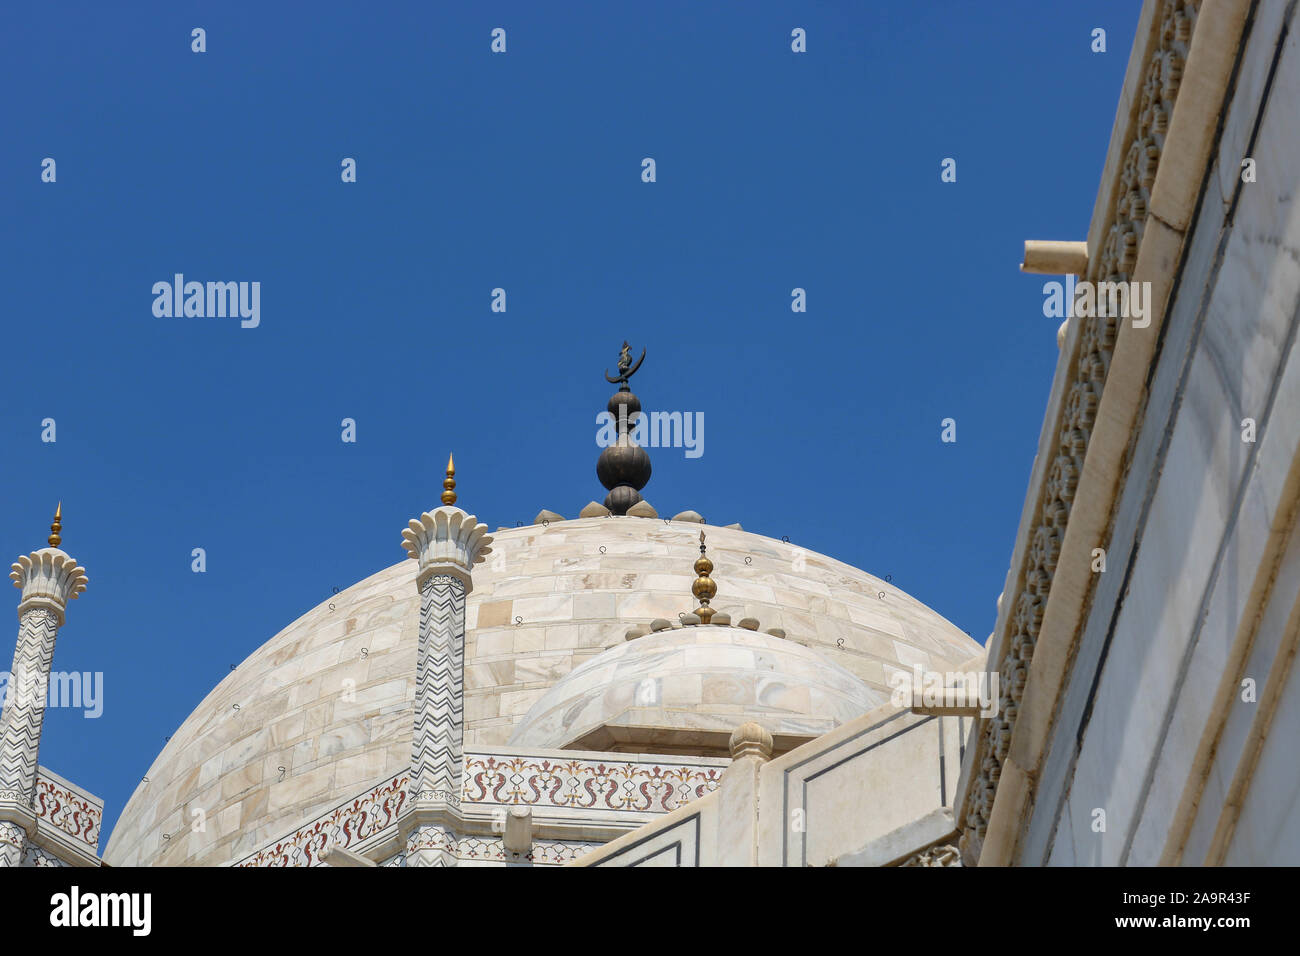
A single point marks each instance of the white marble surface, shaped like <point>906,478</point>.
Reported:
<point>853,797</point>
<point>1202,504</point>
<point>698,678</point>
<point>865,780</point>
<point>329,697</point>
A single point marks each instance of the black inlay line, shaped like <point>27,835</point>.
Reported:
<point>785,829</point>
<point>785,779</point>
<point>1249,468</point>
<point>943,780</point>
<point>695,817</point>
<point>677,855</point>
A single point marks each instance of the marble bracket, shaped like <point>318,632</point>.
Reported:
<point>518,836</point>
<point>1045,257</point>
<point>338,856</point>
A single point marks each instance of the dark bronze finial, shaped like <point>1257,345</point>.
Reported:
<point>624,466</point>
<point>625,367</point>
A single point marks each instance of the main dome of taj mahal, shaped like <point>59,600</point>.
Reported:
<point>622,683</point>
<point>625,680</point>
<point>582,638</point>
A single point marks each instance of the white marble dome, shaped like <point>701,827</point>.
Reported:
<point>685,689</point>
<point>325,705</point>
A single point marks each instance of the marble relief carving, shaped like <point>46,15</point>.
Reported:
<point>944,855</point>
<point>1113,263</point>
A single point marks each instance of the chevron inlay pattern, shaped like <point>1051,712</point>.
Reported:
<point>439,700</point>
<point>24,712</point>
<point>439,713</point>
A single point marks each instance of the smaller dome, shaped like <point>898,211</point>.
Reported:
<point>684,690</point>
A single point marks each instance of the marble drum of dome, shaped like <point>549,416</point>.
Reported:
<point>685,690</point>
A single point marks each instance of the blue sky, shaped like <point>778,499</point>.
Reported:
<point>522,171</point>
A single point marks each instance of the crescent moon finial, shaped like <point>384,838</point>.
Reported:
<point>626,367</point>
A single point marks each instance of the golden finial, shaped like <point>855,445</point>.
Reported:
<point>449,483</point>
<point>704,589</point>
<point>55,528</point>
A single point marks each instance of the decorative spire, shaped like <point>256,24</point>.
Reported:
<point>48,577</point>
<point>449,483</point>
<point>56,527</point>
<point>704,589</point>
<point>623,466</point>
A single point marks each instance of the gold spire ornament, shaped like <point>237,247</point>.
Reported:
<point>704,589</point>
<point>449,483</point>
<point>56,527</point>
